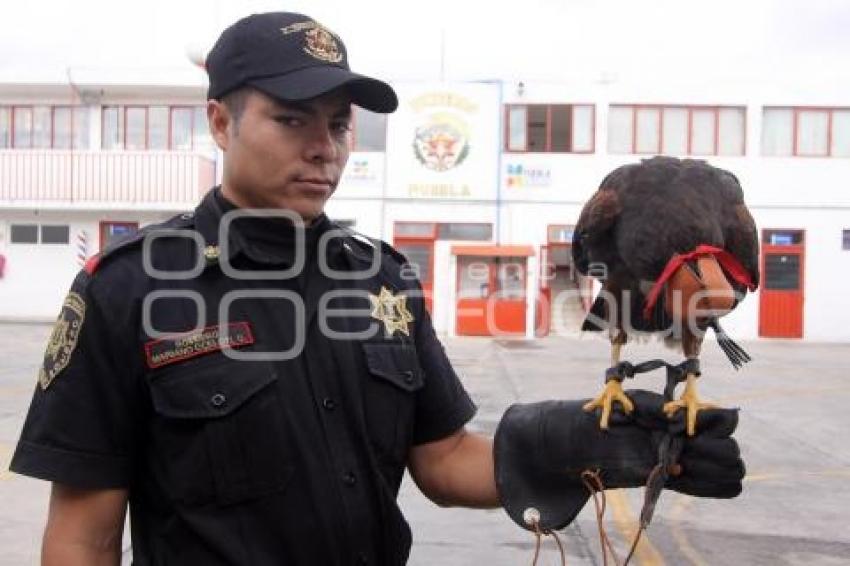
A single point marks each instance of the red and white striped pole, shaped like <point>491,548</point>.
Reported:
<point>82,247</point>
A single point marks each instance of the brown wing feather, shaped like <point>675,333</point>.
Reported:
<point>592,239</point>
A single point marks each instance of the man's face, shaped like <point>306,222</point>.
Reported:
<point>286,156</point>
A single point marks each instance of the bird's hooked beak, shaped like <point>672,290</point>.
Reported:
<point>699,288</point>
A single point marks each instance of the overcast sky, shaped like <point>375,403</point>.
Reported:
<point>401,40</point>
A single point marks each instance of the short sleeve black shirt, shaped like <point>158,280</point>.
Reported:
<point>257,412</point>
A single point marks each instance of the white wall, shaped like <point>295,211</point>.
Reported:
<point>37,276</point>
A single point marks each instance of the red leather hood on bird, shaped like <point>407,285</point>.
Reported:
<point>731,267</point>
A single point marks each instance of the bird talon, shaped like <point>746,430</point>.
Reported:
<point>691,403</point>
<point>613,392</point>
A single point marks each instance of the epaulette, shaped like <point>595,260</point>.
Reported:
<point>96,261</point>
<point>374,243</point>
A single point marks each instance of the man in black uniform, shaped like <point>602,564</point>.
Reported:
<point>253,385</point>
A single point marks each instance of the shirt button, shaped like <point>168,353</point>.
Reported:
<point>349,479</point>
<point>329,404</point>
<point>218,400</point>
<point>362,560</point>
<point>408,376</point>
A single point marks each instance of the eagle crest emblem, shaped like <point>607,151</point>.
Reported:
<point>441,144</point>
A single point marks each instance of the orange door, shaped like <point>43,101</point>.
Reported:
<point>509,304</point>
<point>781,296</point>
<point>474,286</point>
<point>490,296</point>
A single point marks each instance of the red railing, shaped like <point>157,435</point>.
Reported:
<point>144,177</point>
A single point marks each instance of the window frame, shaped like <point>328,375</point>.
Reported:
<point>439,225</point>
<point>75,111</point>
<point>352,141</point>
<point>191,109</point>
<point>125,109</point>
<point>690,108</point>
<point>7,109</point>
<point>121,114</point>
<point>104,225</point>
<point>72,132</point>
<point>37,227</point>
<point>66,242</point>
<point>13,125</point>
<point>795,123</point>
<point>548,146</point>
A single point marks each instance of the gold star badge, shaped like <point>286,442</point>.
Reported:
<point>392,311</point>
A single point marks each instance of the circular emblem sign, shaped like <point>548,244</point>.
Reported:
<point>441,145</point>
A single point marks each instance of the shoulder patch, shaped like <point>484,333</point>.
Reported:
<point>394,253</point>
<point>63,339</point>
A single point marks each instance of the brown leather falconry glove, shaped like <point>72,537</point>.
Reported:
<point>541,450</point>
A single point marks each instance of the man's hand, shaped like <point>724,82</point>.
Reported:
<point>541,450</point>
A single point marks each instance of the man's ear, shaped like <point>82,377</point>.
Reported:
<point>220,121</point>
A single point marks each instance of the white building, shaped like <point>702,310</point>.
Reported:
<point>478,183</point>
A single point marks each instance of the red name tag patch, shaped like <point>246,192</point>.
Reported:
<point>180,347</point>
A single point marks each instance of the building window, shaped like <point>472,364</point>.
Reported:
<point>49,234</point>
<point>806,132</point>
<point>135,123</point>
<point>58,234</point>
<point>783,237</point>
<point>845,240</point>
<point>202,140</point>
<point>415,229</point>
<point>22,127</point>
<point>5,127</point>
<point>44,127</point>
<point>676,130</point>
<point>159,128</point>
<point>158,124</point>
<point>112,231</point>
<point>444,230</point>
<point>370,130</point>
<point>112,134</point>
<point>181,128</point>
<point>41,127</point>
<point>24,234</point>
<point>550,128</point>
<point>560,233</point>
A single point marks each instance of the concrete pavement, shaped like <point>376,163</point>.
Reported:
<point>794,418</point>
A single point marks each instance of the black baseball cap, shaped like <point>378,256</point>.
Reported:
<point>290,57</point>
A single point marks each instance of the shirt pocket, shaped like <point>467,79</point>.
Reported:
<point>218,433</point>
<point>390,398</point>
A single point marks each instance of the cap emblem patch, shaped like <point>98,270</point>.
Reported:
<point>319,42</point>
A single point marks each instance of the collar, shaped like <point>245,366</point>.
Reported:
<point>269,241</point>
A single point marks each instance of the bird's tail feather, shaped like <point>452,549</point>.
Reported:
<point>736,354</point>
<point>598,312</point>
